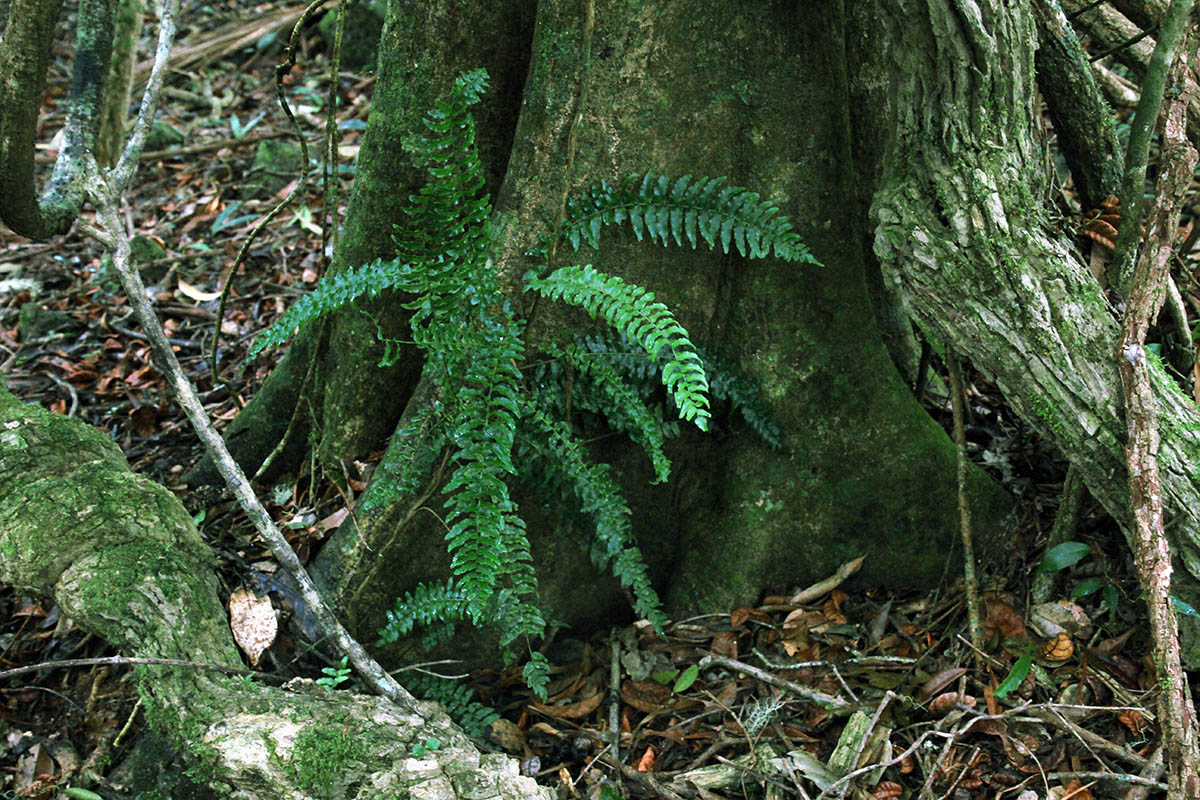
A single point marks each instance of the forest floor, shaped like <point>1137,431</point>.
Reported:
<point>1059,702</point>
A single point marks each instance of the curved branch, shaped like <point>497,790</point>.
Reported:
<point>24,56</point>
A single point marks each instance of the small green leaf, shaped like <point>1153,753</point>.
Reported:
<point>1084,588</point>
<point>1016,675</point>
<point>1111,600</point>
<point>76,793</point>
<point>665,677</point>
<point>686,679</point>
<point>1184,608</point>
<point>1064,555</point>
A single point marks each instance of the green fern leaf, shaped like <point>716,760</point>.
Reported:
<point>601,502</point>
<point>536,674</point>
<point>632,310</point>
<point>693,209</point>
<point>428,606</point>
<point>457,699</point>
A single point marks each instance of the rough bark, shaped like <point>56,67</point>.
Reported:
<point>127,29</point>
<point>960,226</point>
<point>685,87</point>
<point>1083,122</point>
<point>121,556</point>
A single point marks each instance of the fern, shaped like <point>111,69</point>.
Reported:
<point>410,455</point>
<point>703,208</point>
<point>432,607</point>
<point>536,674</point>
<point>458,701</point>
<point>727,382</point>
<point>633,311</point>
<point>332,293</point>
<point>598,387</point>
<point>449,215</point>
<point>600,500</point>
<point>475,353</point>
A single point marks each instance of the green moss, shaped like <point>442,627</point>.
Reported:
<point>1045,412</point>
<point>321,754</point>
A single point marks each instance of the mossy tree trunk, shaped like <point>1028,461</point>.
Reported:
<point>756,93</point>
<point>962,227</point>
<point>121,557</point>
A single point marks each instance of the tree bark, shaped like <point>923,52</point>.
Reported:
<point>961,226</point>
<point>679,88</point>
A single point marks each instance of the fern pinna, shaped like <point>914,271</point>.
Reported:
<point>475,357</point>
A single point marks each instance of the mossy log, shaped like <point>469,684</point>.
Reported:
<point>122,558</point>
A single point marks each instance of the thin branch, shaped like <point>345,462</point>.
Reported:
<point>123,661</point>
<point>958,401</point>
<point>827,701</point>
<point>111,230</point>
<point>281,70</point>
<point>1151,552</point>
<point>141,126</point>
<point>1145,120</point>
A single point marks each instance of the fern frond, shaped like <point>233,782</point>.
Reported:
<point>728,382</point>
<point>430,606</point>
<point>598,387</point>
<point>410,455</point>
<point>600,501</point>
<point>457,699</point>
<point>335,291</point>
<point>536,674</point>
<point>632,310</point>
<point>695,209</point>
<point>448,216</point>
<point>447,237</point>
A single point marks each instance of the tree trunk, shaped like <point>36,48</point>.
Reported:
<point>962,226</point>
<point>121,557</point>
<point>677,88</point>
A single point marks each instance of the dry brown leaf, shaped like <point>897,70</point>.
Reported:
<point>795,632</point>
<point>1003,622</point>
<point>832,608</point>
<point>194,293</point>
<point>333,520</point>
<point>1134,720</point>
<point>1060,648</point>
<point>253,621</point>
<point>727,694</point>
<point>507,735</point>
<point>646,762</point>
<point>1075,790</point>
<point>740,616</point>
<point>574,710</point>
<point>886,790</point>
<point>940,681</point>
<point>725,644</point>
<point>946,702</point>
<point>646,696</point>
